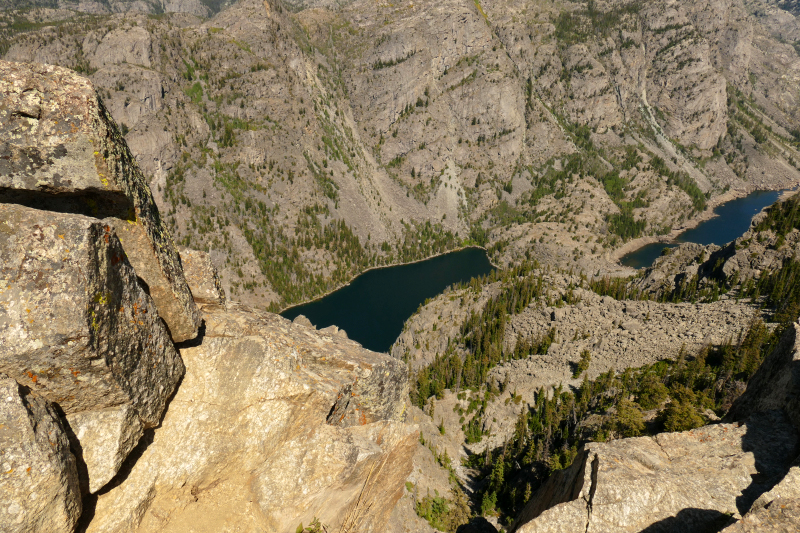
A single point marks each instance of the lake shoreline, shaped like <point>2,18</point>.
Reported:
<point>320,297</point>
<point>374,306</point>
<point>708,214</point>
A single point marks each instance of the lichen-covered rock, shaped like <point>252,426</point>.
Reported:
<point>246,442</point>
<point>61,150</point>
<point>102,440</point>
<point>202,277</point>
<point>75,325</point>
<point>689,481</point>
<point>39,490</point>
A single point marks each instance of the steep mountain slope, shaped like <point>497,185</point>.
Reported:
<point>200,8</point>
<point>302,143</point>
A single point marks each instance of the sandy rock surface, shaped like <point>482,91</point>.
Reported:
<point>278,459</point>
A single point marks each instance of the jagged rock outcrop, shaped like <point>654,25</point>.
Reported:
<point>102,440</point>
<point>780,516</point>
<point>690,481</point>
<point>60,150</point>
<point>303,321</point>
<point>38,475</point>
<point>788,488</point>
<point>334,330</point>
<point>776,383</point>
<point>775,511</point>
<point>674,266</point>
<point>274,424</point>
<point>256,445</point>
<point>202,277</point>
<point>75,325</point>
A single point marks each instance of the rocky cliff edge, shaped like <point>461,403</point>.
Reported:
<point>742,473</point>
<point>135,401</point>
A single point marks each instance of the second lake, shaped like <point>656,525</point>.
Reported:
<point>732,221</point>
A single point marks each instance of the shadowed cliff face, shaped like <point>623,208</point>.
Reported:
<point>325,134</point>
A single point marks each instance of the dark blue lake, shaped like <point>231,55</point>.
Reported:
<point>732,220</point>
<point>374,306</point>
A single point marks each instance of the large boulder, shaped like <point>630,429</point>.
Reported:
<point>60,150</point>
<point>202,277</point>
<point>75,325</point>
<point>248,442</point>
<point>102,440</point>
<point>39,490</point>
<point>690,481</point>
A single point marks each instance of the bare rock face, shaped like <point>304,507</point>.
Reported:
<point>75,326</point>
<point>303,321</point>
<point>247,440</point>
<point>788,488</point>
<point>103,439</point>
<point>202,277</point>
<point>39,481</point>
<point>131,45</point>
<point>60,150</point>
<point>333,330</point>
<point>193,7</point>
<point>689,481</point>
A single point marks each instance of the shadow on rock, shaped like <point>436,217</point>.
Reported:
<point>477,525</point>
<point>774,442</point>
<point>694,520</point>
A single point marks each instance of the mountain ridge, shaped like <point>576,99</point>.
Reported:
<point>387,124</point>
